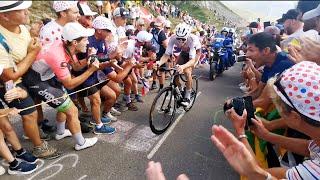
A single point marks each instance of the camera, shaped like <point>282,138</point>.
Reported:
<point>240,104</point>
<point>242,58</point>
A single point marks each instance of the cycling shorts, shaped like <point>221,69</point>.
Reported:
<point>18,103</point>
<point>50,90</point>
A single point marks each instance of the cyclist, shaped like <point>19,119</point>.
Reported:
<point>187,59</point>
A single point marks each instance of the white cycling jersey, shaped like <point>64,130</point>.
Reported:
<point>191,46</point>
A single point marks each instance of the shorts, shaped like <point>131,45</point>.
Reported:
<point>50,90</point>
<point>90,91</point>
<point>162,66</point>
<point>18,103</point>
<point>183,58</point>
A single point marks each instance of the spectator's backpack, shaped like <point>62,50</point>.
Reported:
<point>3,42</point>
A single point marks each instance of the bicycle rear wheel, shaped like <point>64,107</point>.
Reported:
<point>194,93</point>
<point>162,111</point>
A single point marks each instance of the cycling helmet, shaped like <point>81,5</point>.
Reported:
<point>224,29</point>
<point>183,30</point>
<point>231,30</point>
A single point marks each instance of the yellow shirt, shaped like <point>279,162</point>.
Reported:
<point>18,44</point>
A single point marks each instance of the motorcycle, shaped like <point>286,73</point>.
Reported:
<point>217,60</point>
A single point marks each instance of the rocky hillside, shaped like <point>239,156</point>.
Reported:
<point>213,12</point>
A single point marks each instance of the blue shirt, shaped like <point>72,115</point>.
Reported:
<point>281,63</point>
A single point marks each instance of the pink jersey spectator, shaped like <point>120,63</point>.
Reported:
<point>53,61</point>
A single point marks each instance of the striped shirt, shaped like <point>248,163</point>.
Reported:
<point>309,169</point>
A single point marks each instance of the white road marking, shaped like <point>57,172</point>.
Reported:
<point>166,134</point>
<point>142,139</point>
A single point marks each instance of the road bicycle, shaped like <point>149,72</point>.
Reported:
<point>168,101</point>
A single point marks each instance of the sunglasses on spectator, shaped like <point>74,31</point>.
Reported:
<point>141,25</point>
<point>181,39</point>
<point>168,27</point>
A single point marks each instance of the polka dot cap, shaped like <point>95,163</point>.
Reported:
<point>101,22</point>
<point>59,6</point>
<point>302,85</point>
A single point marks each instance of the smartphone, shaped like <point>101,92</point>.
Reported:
<point>242,58</point>
<point>250,110</point>
<point>9,85</point>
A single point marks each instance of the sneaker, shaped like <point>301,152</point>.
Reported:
<point>22,168</point>
<point>46,127</point>
<point>185,102</point>
<point>154,86</point>
<point>2,171</point>
<point>45,151</point>
<point>85,127</point>
<point>43,136</point>
<point>66,133</point>
<point>241,84</point>
<point>27,157</point>
<point>104,130</point>
<point>117,105</point>
<point>132,107</point>
<point>138,98</point>
<point>115,112</point>
<point>104,120</point>
<point>110,116</point>
<point>88,143</point>
<point>123,108</point>
<point>244,88</point>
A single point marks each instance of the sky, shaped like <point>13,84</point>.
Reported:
<point>268,10</point>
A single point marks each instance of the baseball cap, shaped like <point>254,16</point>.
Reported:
<point>301,85</point>
<point>59,6</point>
<point>311,14</point>
<point>253,25</point>
<point>6,6</point>
<point>74,30</point>
<point>84,10</point>
<point>167,24</point>
<point>291,14</point>
<point>140,21</point>
<point>129,27</point>
<point>121,12</point>
<point>144,36</point>
<point>102,22</point>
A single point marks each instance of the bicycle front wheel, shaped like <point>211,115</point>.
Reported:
<point>194,93</point>
<point>162,111</point>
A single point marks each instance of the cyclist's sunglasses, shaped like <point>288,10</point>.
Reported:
<point>181,39</point>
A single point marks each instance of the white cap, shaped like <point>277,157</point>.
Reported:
<point>167,24</point>
<point>140,21</point>
<point>102,22</point>
<point>311,14</point>
<point>6,6</point>
<point>84,10</point>
<point>74,30</point>
<point>144,36</point>
<point>59,6</point>
<point>130,27</point>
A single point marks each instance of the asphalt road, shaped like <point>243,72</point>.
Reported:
<point>186,148</point>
